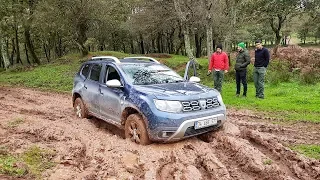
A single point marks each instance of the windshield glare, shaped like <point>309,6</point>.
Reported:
<point>146,74</point>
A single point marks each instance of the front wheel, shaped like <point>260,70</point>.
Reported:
<point>136,131</point>
<point>80,109</point>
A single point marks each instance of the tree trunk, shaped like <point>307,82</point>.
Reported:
<point>132,47</point>
<point>159,42</point>
<point>27,55</point>
<point>185,29</point>
<point>46,52</point>
<point>278,41</point>
<point>124,47</point>
<point>142,45</point>
<point>198,44</point>
<point>18,60</point>
<point>210,42</point>
<point>30,45</point>
<point>12,52</point>
<point>153,45</point>
<point>82,37</point>
<point>4,53</point>
<point>187,43</point>
<point>171,40</point>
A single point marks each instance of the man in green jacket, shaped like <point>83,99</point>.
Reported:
<point>242,61</point>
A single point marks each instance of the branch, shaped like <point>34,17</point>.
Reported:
<point>272,25</point>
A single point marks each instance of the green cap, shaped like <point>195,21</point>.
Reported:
<point>242,45</point>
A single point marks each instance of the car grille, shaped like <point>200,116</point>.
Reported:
<point>197,105</point>
<point>191,131</point>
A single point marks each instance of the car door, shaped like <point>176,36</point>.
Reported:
<point>111,99</point>
<point>91,89</point>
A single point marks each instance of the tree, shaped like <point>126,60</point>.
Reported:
<point>276,13</point>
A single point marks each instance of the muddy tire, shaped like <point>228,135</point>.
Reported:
<point>80,109</point>
<point>136,131</point>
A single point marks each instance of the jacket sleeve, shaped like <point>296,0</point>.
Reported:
<point>267,58</point>
<point>247,60</point>
<point>226,62</point>
<point>211,63</point>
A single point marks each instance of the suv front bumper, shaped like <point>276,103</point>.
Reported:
<point>187,128</point>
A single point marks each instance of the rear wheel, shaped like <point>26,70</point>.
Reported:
<point>136,131</point>
<point>80,109</point>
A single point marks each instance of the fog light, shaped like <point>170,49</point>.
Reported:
<point>166,134</point>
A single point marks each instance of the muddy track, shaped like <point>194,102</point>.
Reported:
<point>248,147</point>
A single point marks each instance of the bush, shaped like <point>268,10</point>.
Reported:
<point>278,71</point>
<point>309,75</point>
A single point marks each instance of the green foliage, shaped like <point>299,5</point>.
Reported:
<point>312,151</point>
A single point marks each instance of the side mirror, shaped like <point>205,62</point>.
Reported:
<point>194,79</point>
<point>114,83</point>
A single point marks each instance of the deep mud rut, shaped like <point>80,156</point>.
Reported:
<point>248,147</point>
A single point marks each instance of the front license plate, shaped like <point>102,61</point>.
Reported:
<point>205,123</point>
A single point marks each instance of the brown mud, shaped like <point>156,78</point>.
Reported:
<point>247,147</point>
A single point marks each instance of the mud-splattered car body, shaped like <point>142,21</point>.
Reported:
<point>170,107</point>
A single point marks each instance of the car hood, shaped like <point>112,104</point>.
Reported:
<point>177,91</point>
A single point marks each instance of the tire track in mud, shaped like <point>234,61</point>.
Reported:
<point>93,149</point>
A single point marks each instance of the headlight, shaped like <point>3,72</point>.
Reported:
<point>219,97</point>
<point>168,106</point>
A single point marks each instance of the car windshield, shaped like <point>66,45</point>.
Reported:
<point>146,74</point>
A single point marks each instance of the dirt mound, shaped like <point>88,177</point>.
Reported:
<point>246,148</point>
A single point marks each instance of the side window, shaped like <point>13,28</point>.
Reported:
<point>111,74</point>
<point>85,70</point>
<point>95,72</point>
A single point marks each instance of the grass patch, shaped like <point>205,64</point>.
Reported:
<point>31,163</point>
<point>267,162</point>
<point>8,166</point>
<point>14,123</point>
<point>312,151</point>
<point>286,99</point>
<point>37,160</point>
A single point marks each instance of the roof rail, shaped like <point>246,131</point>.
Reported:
<point>142,57</point>
<point>116,60</point>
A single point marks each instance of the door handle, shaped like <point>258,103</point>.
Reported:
<point>85,86</point>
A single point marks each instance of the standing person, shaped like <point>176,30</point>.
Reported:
<point>242,61</point>
<point>220,63</point>
<point>261,63</point>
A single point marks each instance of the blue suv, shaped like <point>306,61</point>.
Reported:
<point>147,99</point>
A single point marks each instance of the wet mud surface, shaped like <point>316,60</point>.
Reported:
<point>247,147</point>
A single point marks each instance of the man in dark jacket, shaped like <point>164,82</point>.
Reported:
<point>261,62</point>
<point>242,61</point>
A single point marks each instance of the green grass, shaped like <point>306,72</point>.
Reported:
<point>312,151</point>
<point>8,166</point>
<point>289,101</point>
<point>30,163</point>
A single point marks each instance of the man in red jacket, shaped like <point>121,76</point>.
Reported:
<point>219,62</point>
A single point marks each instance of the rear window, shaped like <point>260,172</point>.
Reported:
<point>85,70</point>
<point>95,72</point>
